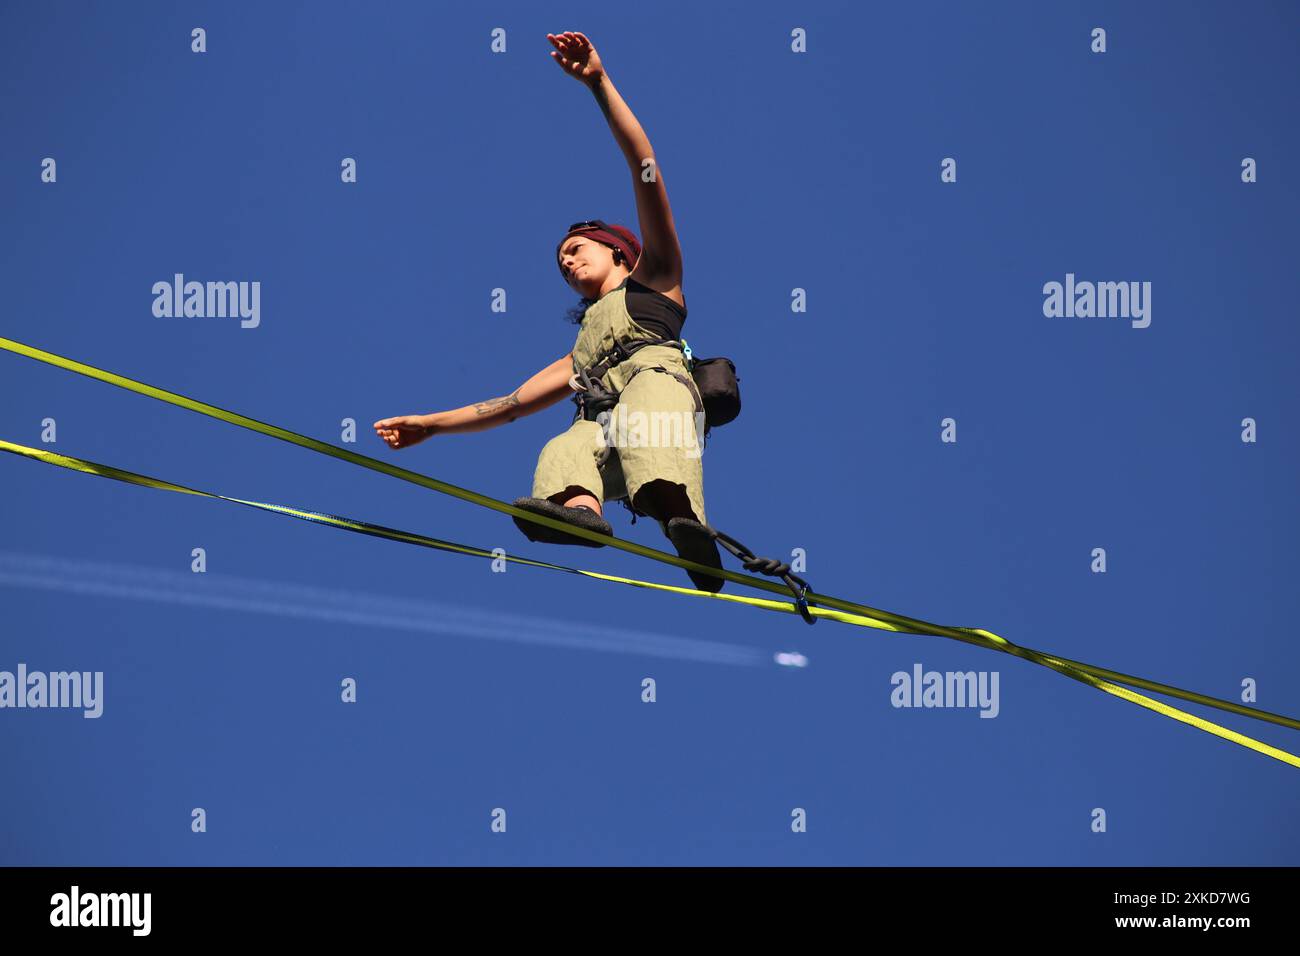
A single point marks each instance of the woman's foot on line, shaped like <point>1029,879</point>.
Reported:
<point>694,543</point>
<point>580,516</point>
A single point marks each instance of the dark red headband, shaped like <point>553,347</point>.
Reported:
<point>597,230</point>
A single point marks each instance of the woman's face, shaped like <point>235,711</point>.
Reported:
<point>586,265</point>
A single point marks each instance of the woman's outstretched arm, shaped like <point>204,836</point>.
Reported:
<point>661,254</point>
<point>543,390</point>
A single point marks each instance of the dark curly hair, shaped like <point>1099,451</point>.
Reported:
<point>579,311</point>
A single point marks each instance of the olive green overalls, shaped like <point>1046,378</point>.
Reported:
<point>653,432</point>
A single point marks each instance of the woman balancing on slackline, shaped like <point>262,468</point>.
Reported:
<point>630,294</point>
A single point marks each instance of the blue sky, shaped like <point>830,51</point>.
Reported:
<point>521,690</point>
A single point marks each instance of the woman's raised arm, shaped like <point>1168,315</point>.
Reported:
<point>661,254</point>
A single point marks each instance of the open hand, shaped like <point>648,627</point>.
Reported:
<point>576,56</point>
<point>404,430</point>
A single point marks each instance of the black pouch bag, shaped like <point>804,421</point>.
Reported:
<point>719,389</point>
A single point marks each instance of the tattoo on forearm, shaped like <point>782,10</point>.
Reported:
<point>495,404</point>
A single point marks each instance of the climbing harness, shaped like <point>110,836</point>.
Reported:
<point>808,603</point>
<point>713,383</point>
<point>595,401</point>
<point>713,386</point>
<point>592,397</point>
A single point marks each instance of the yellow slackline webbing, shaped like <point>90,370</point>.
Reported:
<point>375,464</point>
<point>898,622</point>
<point>1200,723</point>
<point>392,534</point>
<point>1087,673</point>
<point>363,527</point>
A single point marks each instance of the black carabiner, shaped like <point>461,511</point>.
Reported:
<point>800,601</point>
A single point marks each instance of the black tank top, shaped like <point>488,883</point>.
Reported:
<point>654,311</point>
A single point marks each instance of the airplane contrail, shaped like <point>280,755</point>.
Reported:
<point>284,599</point>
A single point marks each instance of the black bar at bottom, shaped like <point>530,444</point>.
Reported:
<point>371,904</point>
